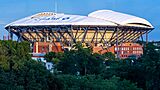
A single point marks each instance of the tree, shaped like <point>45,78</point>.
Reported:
<point>49,56</point>
<point>81,60</point>
<point>144,71</point>
<point>94,82</point>
<point>109,56</point>
<point>151,64</point>
<point>19,72</point>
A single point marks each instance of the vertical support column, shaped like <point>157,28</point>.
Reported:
<point>84,36</point>
<point>69,31</point>
<point>20,39</point>
<point>142,37</point>
<point>117,39</point>
<point>50,47</point>
<point>60,38</point>
<point>122,41</point>
<point>97,36</point>
<point>10,34</point>
<point>36,47</point>
<point>146,38</point>
<point>32,47</point>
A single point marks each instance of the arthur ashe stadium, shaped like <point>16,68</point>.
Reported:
<point>104,27</point>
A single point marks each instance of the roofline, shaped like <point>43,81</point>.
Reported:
<point>119,26</point>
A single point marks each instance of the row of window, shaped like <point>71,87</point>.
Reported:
<point>127,52</point>
<point>137,52</point>
<point>128,48</point>
<point>124,56</point>
<point>137,48</point>
<point>124,52</point>
<point>45,49</point>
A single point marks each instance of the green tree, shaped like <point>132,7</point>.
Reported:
<point>109,56</point>
<point>81,60</point>
<point>144,71</point>
<point>151,64</point>
<point>19,72</point>
<point>53,57</point>
<point>93,82</point>
<point>49,56</point>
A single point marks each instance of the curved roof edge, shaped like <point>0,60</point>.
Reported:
<point>121,18</point>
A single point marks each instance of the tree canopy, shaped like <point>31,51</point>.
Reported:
<point>80,68</point>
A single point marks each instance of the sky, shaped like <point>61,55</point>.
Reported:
<point>11,10</point>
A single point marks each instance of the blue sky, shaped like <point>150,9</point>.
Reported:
<point>11,10</point>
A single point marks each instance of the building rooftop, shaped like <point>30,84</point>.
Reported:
<point>100,17</point>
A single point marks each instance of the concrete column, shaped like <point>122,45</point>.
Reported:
<point>36,47</point>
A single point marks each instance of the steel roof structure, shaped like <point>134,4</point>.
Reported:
<point>103,26</point>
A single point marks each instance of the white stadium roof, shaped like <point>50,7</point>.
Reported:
<point>98,18</point>
<point>120,18</point>
<point>50,18</point>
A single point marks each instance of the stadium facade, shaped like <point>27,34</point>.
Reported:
<point>104,28</point>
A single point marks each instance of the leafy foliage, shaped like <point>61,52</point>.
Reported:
<point>92,82</point>
<point>81,60</point>
<point>109,56</point>
<point>81,70</point>
<point>145,71</point>
<point>18,71</point>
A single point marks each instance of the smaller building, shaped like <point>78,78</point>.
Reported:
<point>126,50</point>
<point>123,50</point>
<point>45,47</point>
<point>41,48</point>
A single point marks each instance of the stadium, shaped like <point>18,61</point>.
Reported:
<point>103,28</point>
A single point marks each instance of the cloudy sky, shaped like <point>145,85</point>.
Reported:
<point>11,10</point>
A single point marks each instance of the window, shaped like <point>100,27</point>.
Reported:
<point>42,49</point>
<point>122,52</point>
<point>125,52</point>
<point>115,48</point>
